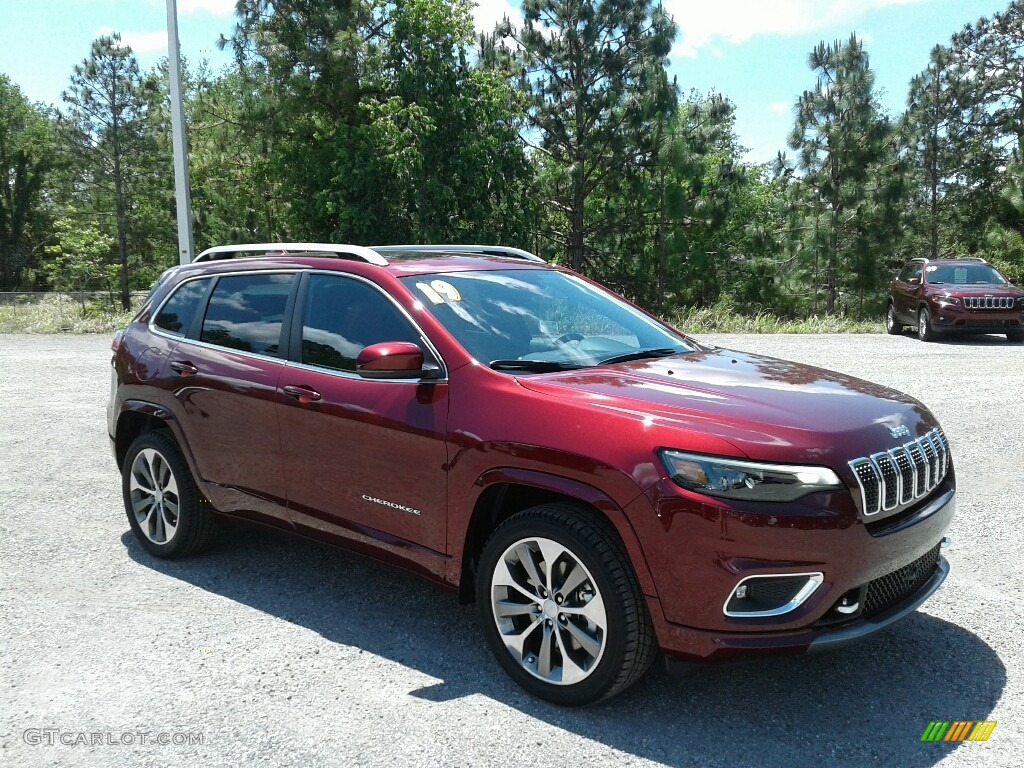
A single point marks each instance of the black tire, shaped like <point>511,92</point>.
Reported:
<point>194,522</point>
<point>1016,335</point>
<point>629,645</point>
<point>892,325</point>
<point>925,330</point>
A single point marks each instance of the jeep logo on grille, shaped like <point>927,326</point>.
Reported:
<point>900,431</point>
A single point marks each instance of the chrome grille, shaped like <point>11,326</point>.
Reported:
<point>989,302</point>
<point>901,475</point>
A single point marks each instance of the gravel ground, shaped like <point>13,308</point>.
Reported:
<point>274,651</point>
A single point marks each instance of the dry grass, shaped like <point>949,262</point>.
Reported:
<point>715,320</point>
<point>57,313</point>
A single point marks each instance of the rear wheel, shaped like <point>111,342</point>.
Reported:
<point>925,330</point>
<point>560,606</point>
<point>165,510</point>
<point>892,326</point>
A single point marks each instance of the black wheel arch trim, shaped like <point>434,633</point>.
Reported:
<point>573,489</point>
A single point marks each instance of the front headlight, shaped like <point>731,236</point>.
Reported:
<point>750,480</point>
<point>951,300</point>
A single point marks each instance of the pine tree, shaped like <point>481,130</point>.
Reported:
<point>596,72</point>
<point>106,129</point>
<point>838,137</point>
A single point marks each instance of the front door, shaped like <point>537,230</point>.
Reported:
<point>365,460</point>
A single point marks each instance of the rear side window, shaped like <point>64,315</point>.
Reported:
<point>246,313</point>
<point>178,312</point>
<point>343,316</point>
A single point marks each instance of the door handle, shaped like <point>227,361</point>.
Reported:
<point>184,367</point>
<point>302,394</point>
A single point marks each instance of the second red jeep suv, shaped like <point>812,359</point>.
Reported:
<point>960,296</point>
<point>602,485</point>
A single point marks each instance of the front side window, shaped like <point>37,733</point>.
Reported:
<point>246,313</point>
<point>541,319</point>
<point>178,312</point>
<point>911,271</point>
<point>343,315</point>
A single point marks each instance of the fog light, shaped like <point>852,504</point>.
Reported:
<point>771,594</point>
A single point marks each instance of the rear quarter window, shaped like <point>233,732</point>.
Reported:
<point>178,312</point>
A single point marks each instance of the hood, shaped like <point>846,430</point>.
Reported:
<point>768,409</point>
<point>975,289</point>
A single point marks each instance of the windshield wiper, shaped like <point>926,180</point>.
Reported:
<point>640,354</point>
<point>532,366</point>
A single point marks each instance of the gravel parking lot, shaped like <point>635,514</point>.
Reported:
<point>281,652</point>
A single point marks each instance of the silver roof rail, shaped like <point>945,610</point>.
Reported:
<point>484,250</point>
<point>342,251</point>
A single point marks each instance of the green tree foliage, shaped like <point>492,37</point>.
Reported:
<point>381,129</point>
<point>107,132</point>
<point>596,74</point>
<point>840,139</point>
<point>26,157</point>
<point>81,259</point>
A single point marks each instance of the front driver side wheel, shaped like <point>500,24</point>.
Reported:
<point>560,606</point>
<point>925,330</point>
<point>891,325</point>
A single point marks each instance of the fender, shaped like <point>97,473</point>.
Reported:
<point>566,487</point>
<point>153,410</point>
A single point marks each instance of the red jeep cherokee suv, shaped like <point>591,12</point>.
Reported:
<point>600,484</point>
<point>954,296</point>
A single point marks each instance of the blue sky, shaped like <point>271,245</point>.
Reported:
<point>753,51</point>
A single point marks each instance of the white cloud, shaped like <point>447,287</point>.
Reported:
<point>487,13</point>
<point>737,21</point>
<point>212,7</point>
<point>779,107</point>
<point>140,42</point>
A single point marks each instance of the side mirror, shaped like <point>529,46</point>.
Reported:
<point>393,360</point>
<point>914,280</point>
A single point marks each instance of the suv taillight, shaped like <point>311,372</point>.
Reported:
<point>116,343</point>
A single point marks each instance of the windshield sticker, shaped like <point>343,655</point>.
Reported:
<point>439,291</point>
<point>932,268</point>
<point>430,293</point>
<point>449,291</point>
<point>960,275</point>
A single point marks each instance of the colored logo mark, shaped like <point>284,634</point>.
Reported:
<point>958,730</point>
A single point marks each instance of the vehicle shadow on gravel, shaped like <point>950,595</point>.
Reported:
<point>868,704</point>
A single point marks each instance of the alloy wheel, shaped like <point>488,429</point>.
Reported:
<point>154,496</point>
<point>548,610</point>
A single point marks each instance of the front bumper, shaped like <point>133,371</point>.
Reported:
<point>698,553</point>
<point>687,642</point>
<point>953,320</point>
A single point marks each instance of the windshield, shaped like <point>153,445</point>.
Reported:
<point>964,274</point>
<point>539,319</point>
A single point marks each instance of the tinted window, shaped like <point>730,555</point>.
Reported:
<point>342,316</point>
<point>246,312</point>
<point>909,271</point>
<point>177,313</point>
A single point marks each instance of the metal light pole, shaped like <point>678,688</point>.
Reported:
<point>181,186</point>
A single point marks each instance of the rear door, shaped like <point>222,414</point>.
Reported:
<point>225,376</point>
<point>365,460</point>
